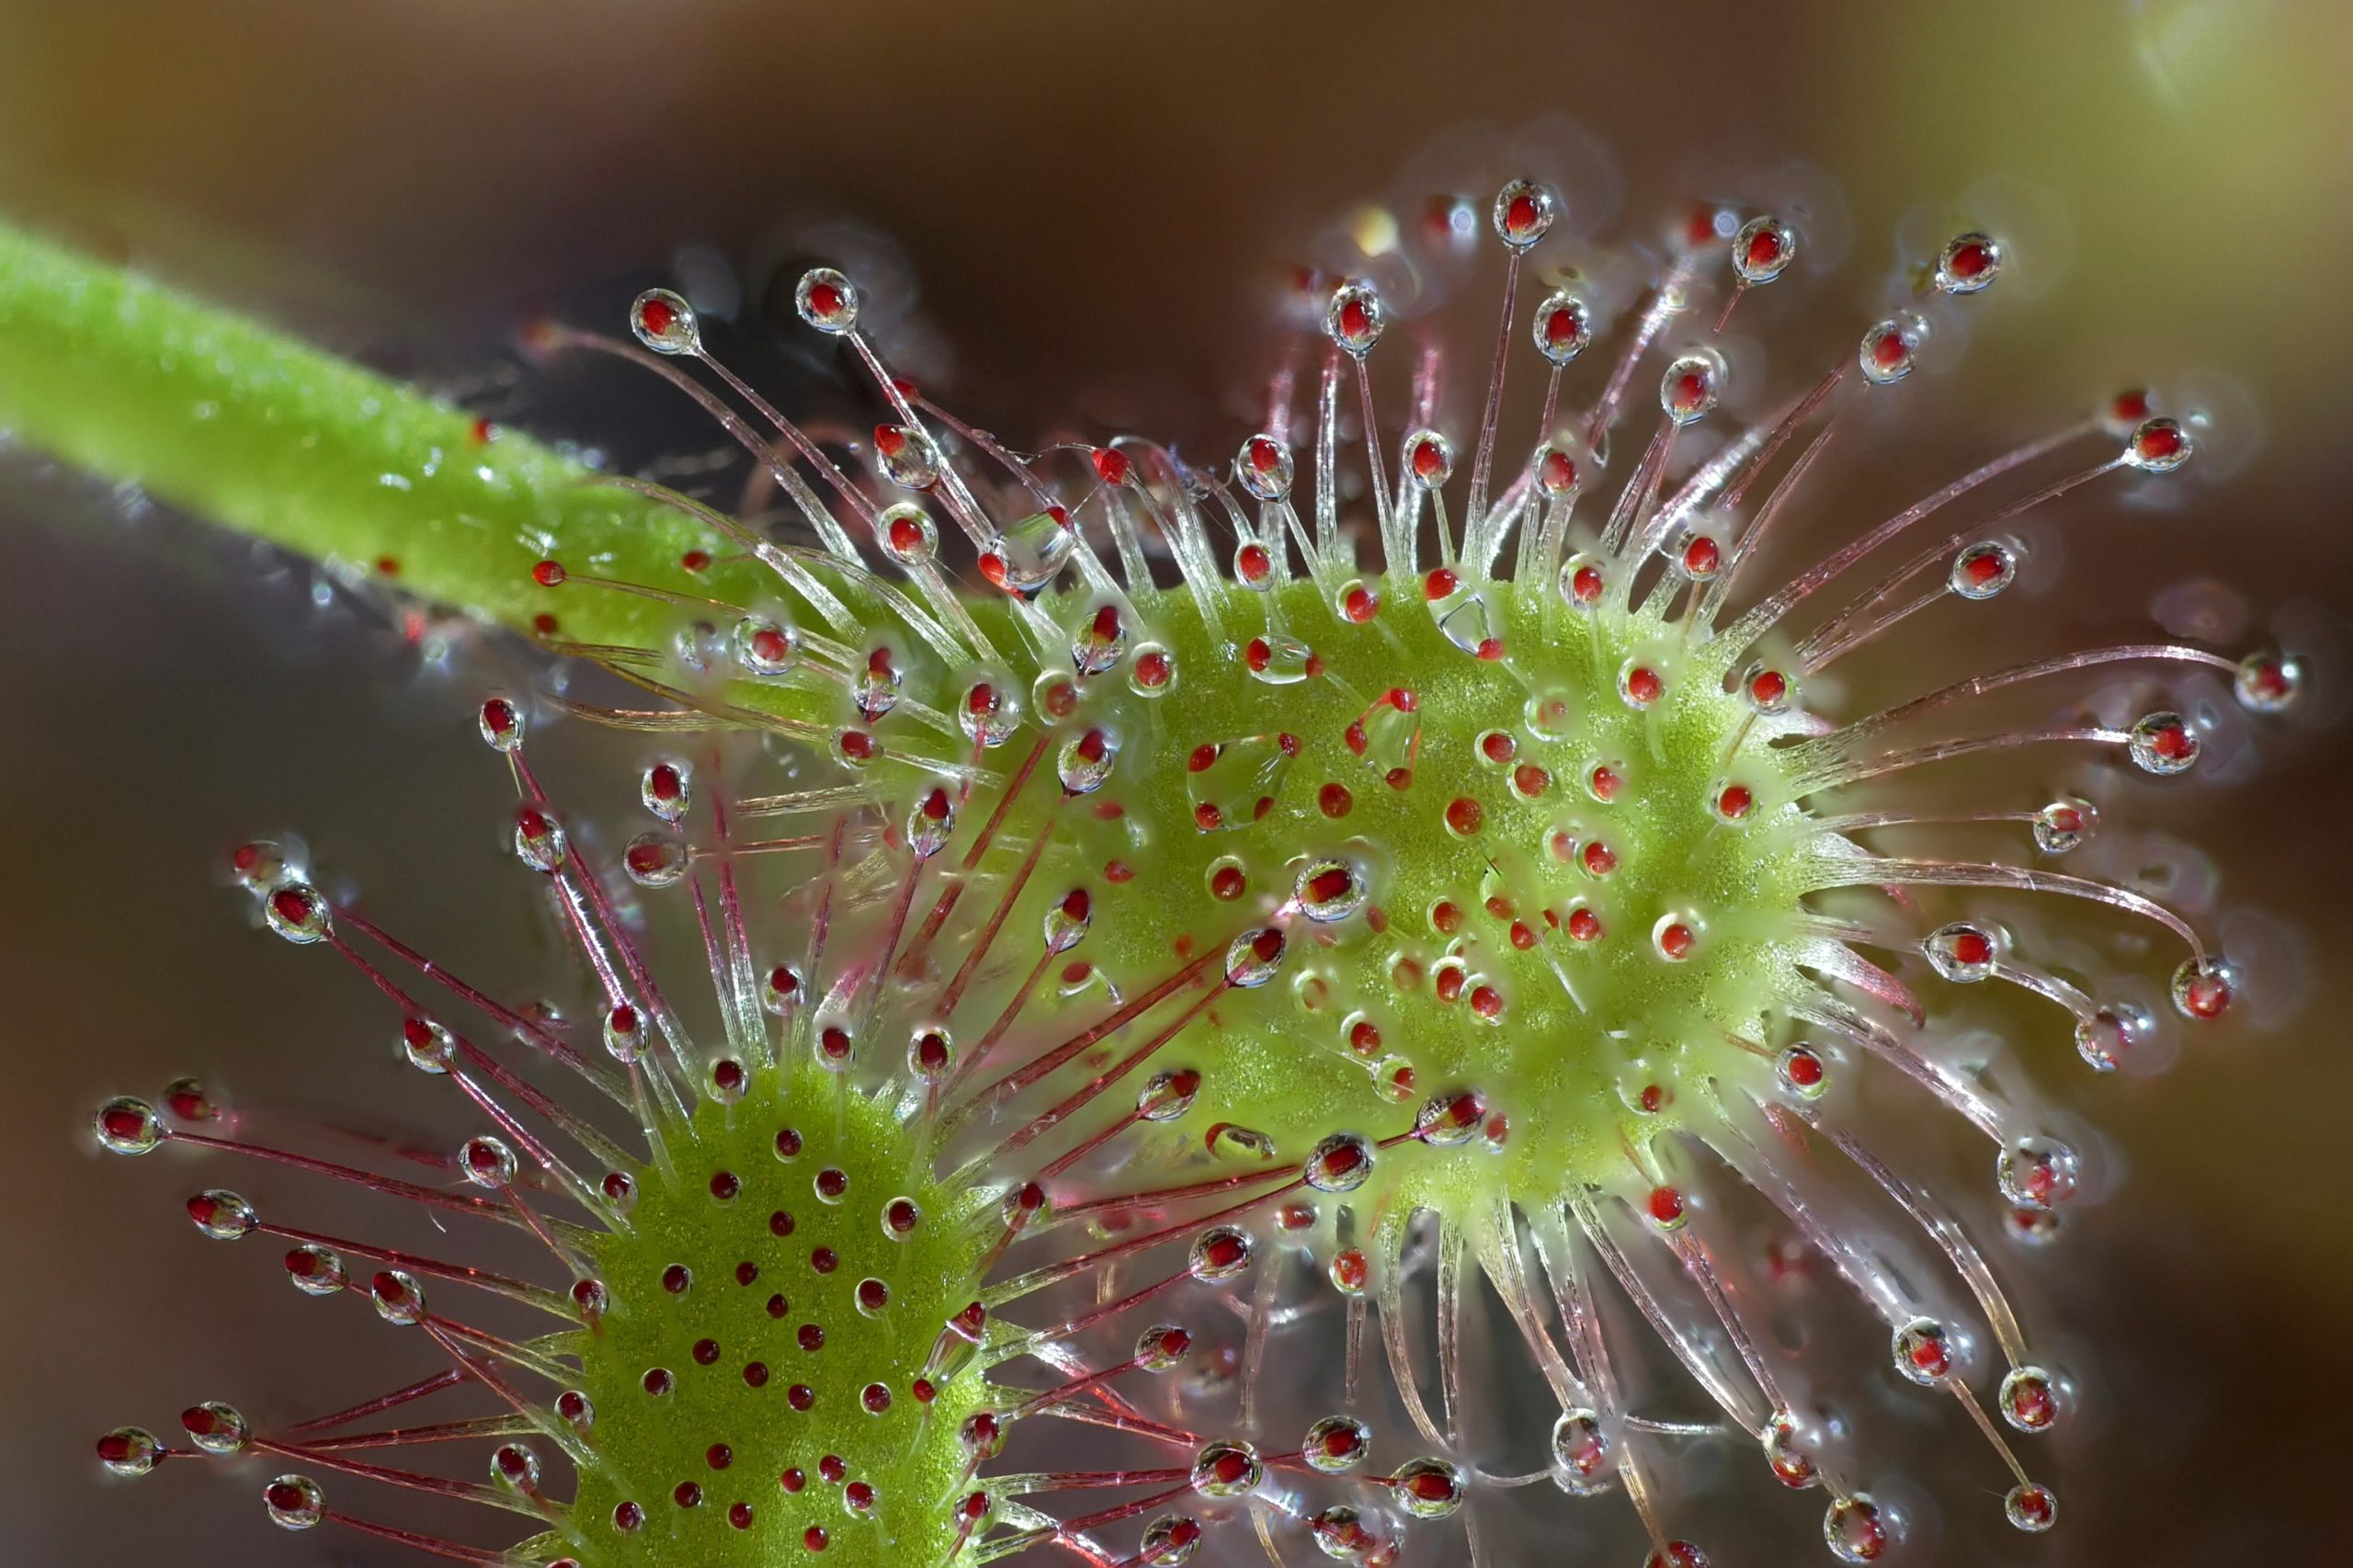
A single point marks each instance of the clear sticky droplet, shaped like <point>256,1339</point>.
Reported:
<point>1555,471</point>
<point>539,838</point>
<point>654,859</point>
<point>1429,460</point>
<point>1968,264</point>
<point>2029,1506</point>
<point>1153,671</point>
<point>989,712</point>
<point>2111,1034</point>
<point>427,1045</point>
<point>223,1215</point>
<point>1083,764</point>
<point>1857,1529</point>
<point>664,323</point>
<point>316,1271</point>
<point>930,822</point>
<point>1222,1251</point>
<point>1523,213</point>
<point>2064,823</point>
<point>1924,1351</point>
<point>1263,466</point>
<point>1763,250</point>
<point>1983,569</point>
<point>1583,1462</point>
<point>2268,681</point>
<point>1343,1533</point>
<point>1785,1454</point>
<point>1170,1541</point>
<point>2029,1399</point>
<point>1768,690</point>
<point>215,1427</point>
<point>1254,958</point>
<point>129,1450</point>
<point>294,1501</point>
<point>1329,891</point>
<point>2204,988</point>
<point>908,457</point>
<point>1890,348</point>
<point>1354,318</point>
<point>1801,1072</point>
<point>500,719</point>
<point>487,1161</point>
<point>1168,1096</point>
<point>2158,446</point>
<point>1100,641</point>
<point>297,912</point>
<point>908,534</point>
<point>1341,1162</point>
<point>125,1125</point>
<point>2164,744</point>
<point>877,686</point>
<point>1698,555</point>
<point>1337,1444</point>
<point>1031,553</point>
<point>1227,1469</point>
<point>1583,579</point>
<point>1451,1120</point>
<point>666,788</point>
<point>400,1300</point>
<point>765,646</point>
<point>1562,327</point>
<point>2038,1172</point>
<point>1693,382</point>
<point>516,1468</point>
<point>826,301</point>
<point>1160,1348</point>
<point>1232,784</point>
<point>1961,952</point>
<point>1429,1488</point>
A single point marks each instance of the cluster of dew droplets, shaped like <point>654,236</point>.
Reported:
<point>1039,718</point>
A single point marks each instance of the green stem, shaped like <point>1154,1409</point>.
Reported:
<point>230,420</point>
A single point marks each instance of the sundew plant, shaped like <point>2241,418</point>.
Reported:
<point>1343,1000</point>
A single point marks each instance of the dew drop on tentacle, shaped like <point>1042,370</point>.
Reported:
<point>1563,326</point>
<point>664,323</point>
<point>1968,264</point>
<point>1857,1529</point>
<point>1762,250</point>
<point>826,301</point>
<point>1354,318</point>
<point>294,1501</point>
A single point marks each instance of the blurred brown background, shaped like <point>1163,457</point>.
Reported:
<point>1093,195</point>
